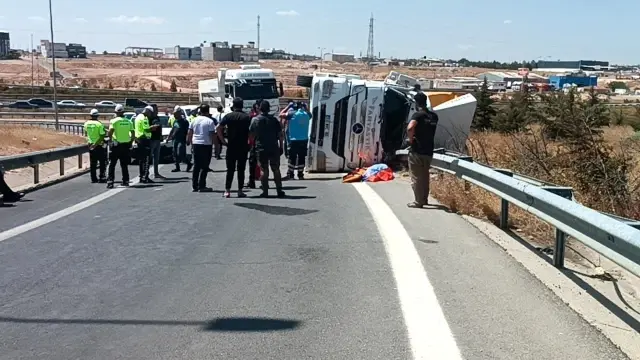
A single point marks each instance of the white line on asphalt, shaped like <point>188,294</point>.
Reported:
<point>8,234</point>
<point>429,334</point>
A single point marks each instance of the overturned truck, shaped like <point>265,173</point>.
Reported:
<point>358,123</point>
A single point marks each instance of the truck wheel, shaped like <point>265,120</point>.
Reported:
<point>304,80</point>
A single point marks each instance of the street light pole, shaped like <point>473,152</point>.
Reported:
<point>53,66</point>
<point>321,56</point>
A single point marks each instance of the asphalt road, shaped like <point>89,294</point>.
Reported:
<point>158,272</point>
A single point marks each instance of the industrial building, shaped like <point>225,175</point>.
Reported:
<point>5,44</point>
<point>221,51</point>
<point>579,80</point>
<point>57,50</point>
<point>183,53</point>
<point>77,51</point>
<point>343,58</point>
<point>570,66</point>
<point>509,77</point>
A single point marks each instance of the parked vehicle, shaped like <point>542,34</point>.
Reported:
<point>42,103</point>
<point>70,104</point>
<point>22,105</point>
<point>105,103</point>
<point>135,103</point>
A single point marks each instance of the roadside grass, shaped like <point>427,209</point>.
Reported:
<point>19,139</point>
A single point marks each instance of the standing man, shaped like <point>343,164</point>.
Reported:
<point>285,115</point>
<point>237,125</point>
<point>179,131</point>
<point>217,143</point>
<point>121,133</point>
<point>156,141</point>
<point>421,133</point>
<point>201,133</point>
<point>253,157</point>
<point>267,131</point>
<point>298,139</point>
<point>95,137</point>
<point>143,139</point>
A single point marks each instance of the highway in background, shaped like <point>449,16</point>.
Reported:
<point>333,271</point>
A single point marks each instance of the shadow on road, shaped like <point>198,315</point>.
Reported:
<point>145,186</point>
<point>276,210</point>
<point>239,324</point>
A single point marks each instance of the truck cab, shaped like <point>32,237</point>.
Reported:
<point>250,82</point>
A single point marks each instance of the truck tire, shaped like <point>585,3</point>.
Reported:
<point>304,80</point>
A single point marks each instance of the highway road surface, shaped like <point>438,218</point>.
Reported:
<point>333,271</point>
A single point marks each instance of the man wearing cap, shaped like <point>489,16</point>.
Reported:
<point>237,125</point>
<point>143,139</point>
<point>201,133</point>
<point>421,134</point>
<point>172,118</point>
<point>121,132</point>
<point>267,131</point>
<point>95,137</point>
<point>179,131</point>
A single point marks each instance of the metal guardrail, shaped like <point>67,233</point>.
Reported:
<point>50,115</point>
<point>34,159</point>
<point>74,128</point>
<point>615,237</point>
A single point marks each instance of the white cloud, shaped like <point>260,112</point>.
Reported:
<point>507,22</point>
<point>465,46</point>
<point>206,20</point>
<point>81,20</point>
<point>36,18</point>
<point>287,13</point>
<point>137,20</point>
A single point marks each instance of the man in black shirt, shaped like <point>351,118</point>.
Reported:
<point>421,132</point>
<point>179,136</point>
<point>156,141</point>
<point>237,124</point>
<point>269,145</point>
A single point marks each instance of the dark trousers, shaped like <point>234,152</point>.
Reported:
<point>201,161</point>
<point>97,160</point>
<point>253,163</point>
<point>269,161</point>
<point>297,156</point>
<point>119,153</point>
<point>419,172</point>
<point>5,190</point>
<point>144,158</point>
<point>180,153</point>
<point>236,160</point>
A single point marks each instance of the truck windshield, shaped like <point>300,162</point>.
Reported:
<point>257,89</point>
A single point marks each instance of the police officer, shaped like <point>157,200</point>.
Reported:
<point>172,118</point>
<point>121,133</point>
<point>95,137</point>
<point>142,130</point>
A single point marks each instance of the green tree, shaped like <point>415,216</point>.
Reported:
<point>110,86</point>
<point>614,85</point>
<point>485,111</point>
<point>153,87</point>
<point>518,114</point>
<point>173,87</point>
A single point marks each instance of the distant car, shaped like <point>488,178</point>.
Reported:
<point>22,105</point>
<point>70,104</point>
<point>105,103</point>
<point>42,103</point>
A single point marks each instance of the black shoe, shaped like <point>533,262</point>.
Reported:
<point>102,181</point>
<point>110,185</point>
<point>205,189</point>
<point>125,183</point>
<point>94,181</point>
<point>290,176</point>
<point>281,194</point>
<point>251,185</point>
<point>176,170</point>
<point>194,190</point>
<point>189,166</point>
<point>13,197</point>
<point>241,194</point>
<point>300,176</point>
<point>264,194</point>
<point>148,181</point>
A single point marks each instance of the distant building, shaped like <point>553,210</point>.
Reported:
<point>57,50</point>
<point>573,65</point>
<point>273,54</point>
<point>579,80</point>
<point>77,51</point>
<point>5,44</point>
<point>343,58</point>
<point>221,51</point>
<point>509,77</point>
<point>183,53</point>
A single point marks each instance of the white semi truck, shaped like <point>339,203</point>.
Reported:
<point>357,123</point>
<point>250,83</point>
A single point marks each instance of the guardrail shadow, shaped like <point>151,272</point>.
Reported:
<point>572,275</point>
<point>232,324</point>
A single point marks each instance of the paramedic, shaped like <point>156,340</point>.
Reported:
<point>143,140</point>
<point>237,125</point>
<point>201,133</point>
<point>95,137</point>
<point>421,135</point>
<point>285,115</point>
<point>267,131</point>
<point>121,133</point>
<point>298,139</point>
<point>178,134</point>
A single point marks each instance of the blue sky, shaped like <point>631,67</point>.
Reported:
<point>504,30</point>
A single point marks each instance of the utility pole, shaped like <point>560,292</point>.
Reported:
<point>33,91</point>
<point>258,42</point>
<point>53,66</point>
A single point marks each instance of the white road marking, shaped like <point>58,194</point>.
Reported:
<point>21,229</point>
<point>429,334</point>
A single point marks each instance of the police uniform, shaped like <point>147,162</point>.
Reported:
<point>142,131</point>
<point>95,137</point>
<point>121,137</point>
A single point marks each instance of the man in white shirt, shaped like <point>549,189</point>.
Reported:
<point>201,134</point>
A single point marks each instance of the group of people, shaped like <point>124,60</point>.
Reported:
<point>258,137</point>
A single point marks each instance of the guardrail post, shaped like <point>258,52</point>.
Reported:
<point>80,161</point>
<point>561,237</point>
<point>504,204</point>
<point>467,185</point>
<point>36,174</point>
<point>61,167</point>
